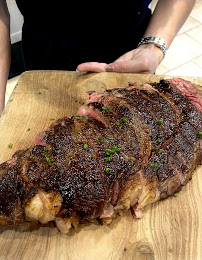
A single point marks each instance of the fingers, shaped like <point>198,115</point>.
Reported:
<point>132,66</point>
<point>92,66</point>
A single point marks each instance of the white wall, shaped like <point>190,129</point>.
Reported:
<point>16,21</point>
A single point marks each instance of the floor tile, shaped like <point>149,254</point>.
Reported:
<point>198,61</point>
<point>188,69</point>
<point>197,11</point>
<point>11,83</point>
<point>196,33</point>
<point>6,99</point>
<point>182,50</point>
<point>189,24</point>
<point>161,70</point>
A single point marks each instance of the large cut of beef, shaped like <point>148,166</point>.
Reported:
<point>126,148</point>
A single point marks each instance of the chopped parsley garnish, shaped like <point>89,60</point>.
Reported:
<point>10,145</point>
<point>108,159</point>
<point>149,91</point>
<point>200,134</point>
<point>85,146</point>
<point>39,92</point>
<point>154,83</point>
<point>114,150</point>
<point>48,160</point>
<point>111,138</point>
<point>28,129</point>
<point>166,110</point>
<point>104,108</point>
<point>160,151</point>
<point>175,194</point>
<point>125,119</point>
<point>161,161</point>
<point>107,169</point>
<point>187,99</point>
<point>46,149</point>
<point>158,141</point>
<point>33,158</point>
<point>150,135</point>
<point>117,124</point>
<point>153,165</point>
<point>11,99</point>
<point>155,148</point>
<point>101,139</point>
<point>141,85</point>
<point>52,118</point>
<point>131,162</point>
<point>161,95</point>
<point>159,122</point>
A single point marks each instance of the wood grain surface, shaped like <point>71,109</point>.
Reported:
<point>170,229</point>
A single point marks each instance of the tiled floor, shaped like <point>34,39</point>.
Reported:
<point>184,57</point>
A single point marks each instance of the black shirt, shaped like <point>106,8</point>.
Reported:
<point>61,34</point>
<point>76,18</point>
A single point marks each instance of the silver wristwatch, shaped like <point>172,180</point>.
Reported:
<point>156,41</point>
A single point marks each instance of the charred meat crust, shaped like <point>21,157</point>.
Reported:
<point>139,136</point>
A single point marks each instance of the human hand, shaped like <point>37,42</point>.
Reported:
<point>144,59</point>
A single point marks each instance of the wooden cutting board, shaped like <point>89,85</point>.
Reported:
<point>170,229</point>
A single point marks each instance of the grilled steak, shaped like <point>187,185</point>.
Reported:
<point>125,149</point>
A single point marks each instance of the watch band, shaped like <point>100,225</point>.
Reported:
<point>156,41</point>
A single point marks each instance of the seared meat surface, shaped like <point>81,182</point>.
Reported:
<point>125,149</point>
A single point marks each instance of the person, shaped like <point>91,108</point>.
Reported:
<point>89,36</point>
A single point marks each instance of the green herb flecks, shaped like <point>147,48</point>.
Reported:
<point>175,195</point>
<point>10,100</point>
<point>48,160</point>
<point>166,110</point>
<point>114,150</point>
<point>158,141</point>
<point>39,92</point>
<point>153,165</point>
<point>85,146</point>
<point>10,145</point>
<point>106,109</point>
<point>28,129</point>
<point>107,170</point>
<point>111,138</point>
<point>159,122</point>
<point>117,124</point>
<point>125,119</point>
<point>52,118</point>
<point>149,91</point>
<point>200,134</point>
<point>160,151</point>
<point>108,159</point>
<point>101,139</point>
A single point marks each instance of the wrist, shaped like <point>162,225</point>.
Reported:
<point>154,49</point>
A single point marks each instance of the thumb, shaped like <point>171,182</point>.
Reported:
<point>131,66</point>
